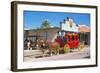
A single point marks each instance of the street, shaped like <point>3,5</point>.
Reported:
<point>29,56</point>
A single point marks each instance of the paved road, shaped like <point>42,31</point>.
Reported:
<point>84,53</point>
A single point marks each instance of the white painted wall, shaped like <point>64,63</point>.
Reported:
<point>5,38</point>
<point>66,26</point>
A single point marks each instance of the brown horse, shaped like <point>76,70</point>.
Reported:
<point>54,48</point>
<point>49,47</point>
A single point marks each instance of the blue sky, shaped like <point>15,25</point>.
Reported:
<point>34,19</point>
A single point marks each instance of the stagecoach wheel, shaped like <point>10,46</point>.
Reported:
<point>66,49</point>
<point>81,46</point>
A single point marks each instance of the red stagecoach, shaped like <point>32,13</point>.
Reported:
<point>69,39</point>
<point>72,40</point>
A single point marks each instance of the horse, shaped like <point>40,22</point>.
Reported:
<point>48,47</point>
<point>54,48</point>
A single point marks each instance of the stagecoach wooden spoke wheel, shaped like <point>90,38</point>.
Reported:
<point>66,48</point>
<point>81,46</point>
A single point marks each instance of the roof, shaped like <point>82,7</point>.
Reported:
<point>84,28</point>
<point>45,28</point>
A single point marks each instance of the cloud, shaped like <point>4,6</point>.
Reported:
<point>83,25</point>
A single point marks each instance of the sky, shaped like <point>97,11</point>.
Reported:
<point>34,19</point>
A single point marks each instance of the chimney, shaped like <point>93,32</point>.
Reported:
<point>60,23</point>
<point>67,18</point>
<point>64,21</point>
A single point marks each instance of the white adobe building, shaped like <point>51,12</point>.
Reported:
<point>69,25</point>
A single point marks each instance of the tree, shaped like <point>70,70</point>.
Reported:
<point>45,24</point>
